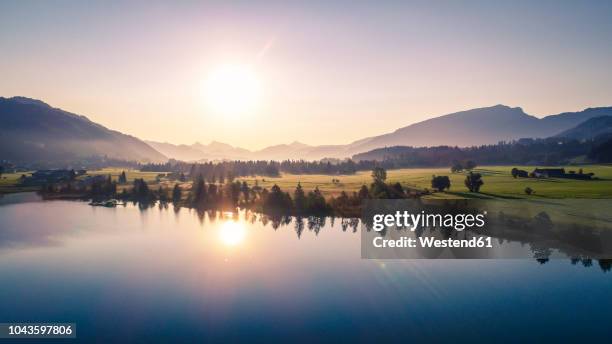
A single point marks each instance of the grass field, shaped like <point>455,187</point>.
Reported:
<point>9,183</point>
<point>498,183</point>
<point>149,177</point>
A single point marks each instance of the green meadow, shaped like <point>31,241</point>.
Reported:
<point>149,177</point>
<point>498,182</point>
<point>9,183</point>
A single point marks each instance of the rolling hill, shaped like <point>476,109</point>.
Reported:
<point>32,130</point>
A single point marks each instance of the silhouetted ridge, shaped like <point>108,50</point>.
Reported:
<point>34,131</point>
<point>590,129</point>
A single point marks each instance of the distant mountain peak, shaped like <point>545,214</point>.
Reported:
<point>217,144</point>
<point>598,108</point>
<point>212,145</point>
<point>499,109</point>
<point>297,144</point>
<point>504,106</point>
<point>501,106</point>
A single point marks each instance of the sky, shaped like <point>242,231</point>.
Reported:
<point>327,72</point>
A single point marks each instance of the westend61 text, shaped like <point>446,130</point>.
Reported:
<point>428,242</point>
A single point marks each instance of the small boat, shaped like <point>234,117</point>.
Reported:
<point>111,203</point>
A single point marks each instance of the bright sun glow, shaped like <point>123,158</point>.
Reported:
<point>232,90</point>
<point>232,233</point>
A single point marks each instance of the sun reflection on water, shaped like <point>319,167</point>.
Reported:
<point>232,233</point>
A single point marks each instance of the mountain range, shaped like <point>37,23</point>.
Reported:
<point>33,130</point>
<point>197,151</point>
<point>480,126</point>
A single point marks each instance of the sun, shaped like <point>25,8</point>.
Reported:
<point>232,89</point>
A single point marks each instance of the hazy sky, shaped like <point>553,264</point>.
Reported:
<point>328,73</point>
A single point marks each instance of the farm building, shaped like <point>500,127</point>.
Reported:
<point>548,173</point>
<point>559,173</point>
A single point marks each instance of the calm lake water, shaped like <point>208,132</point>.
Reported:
<point>156,275</point>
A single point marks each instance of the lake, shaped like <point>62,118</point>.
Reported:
<point>159,275</point>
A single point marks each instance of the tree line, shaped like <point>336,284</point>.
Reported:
<point>276,201</point>
<point>229,194</point>
<point>550,151</point>
<point>238,168</point>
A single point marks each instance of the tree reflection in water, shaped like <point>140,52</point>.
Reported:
<point>237,230</point>
<point>314,224</point>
